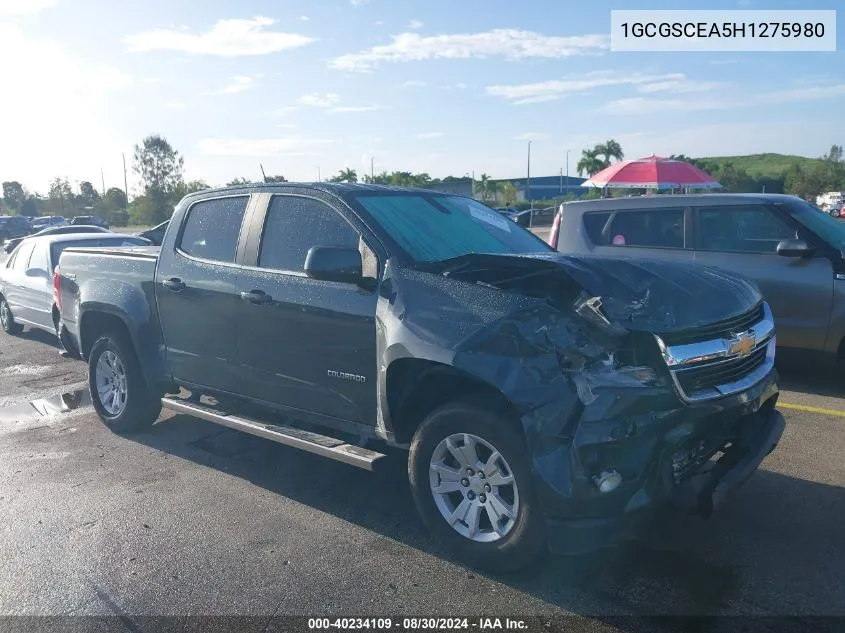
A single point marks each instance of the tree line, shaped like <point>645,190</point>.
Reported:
<point>159,166</point>
<point>805,179</point>
<point>62,199</point>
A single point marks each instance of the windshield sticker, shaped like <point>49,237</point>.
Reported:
<point>491,218</point>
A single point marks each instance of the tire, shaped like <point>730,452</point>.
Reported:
<point>7,320</point>
<point>519,541</point>
<point>138,406</point>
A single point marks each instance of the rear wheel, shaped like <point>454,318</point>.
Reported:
<point>119,392</point>
<point>7,320</point>
<point>471,481</point>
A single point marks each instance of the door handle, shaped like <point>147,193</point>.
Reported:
<point>258,297</point>
<point>174,283</point>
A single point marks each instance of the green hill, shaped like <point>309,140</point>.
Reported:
<point>762,165</point>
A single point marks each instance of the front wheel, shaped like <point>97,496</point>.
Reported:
<point>119,392</point>
<point>471,481</point>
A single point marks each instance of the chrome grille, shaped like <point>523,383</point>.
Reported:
<point>715,367</point>
<point>720,329</point>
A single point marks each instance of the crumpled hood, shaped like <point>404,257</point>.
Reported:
<point>637,294</point>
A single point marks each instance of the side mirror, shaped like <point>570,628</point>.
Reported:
<point>794,248</point>
<point>37,272</point>
<point>330,263</point>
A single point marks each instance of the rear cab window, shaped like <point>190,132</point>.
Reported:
<point>212,229</point>
<point>647,228</point>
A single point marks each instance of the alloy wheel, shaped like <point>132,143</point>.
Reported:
<point>474,488</point>
<point>110,379</point>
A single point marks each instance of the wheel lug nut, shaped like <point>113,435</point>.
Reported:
<point>482,498</point>
<point>487,488</point>
<point>481,474</point>
<point>470,472</point>
<point>470,495</point>
<point>465,482</point>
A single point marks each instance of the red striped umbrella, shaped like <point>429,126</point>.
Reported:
<point>652,172</point>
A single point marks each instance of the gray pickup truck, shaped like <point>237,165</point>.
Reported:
<point>544,400</point>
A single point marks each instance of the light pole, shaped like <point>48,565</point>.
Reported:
<point>567,172</point>
<point>125,183</point>
<point>528,189</point>
<point>319,179</point>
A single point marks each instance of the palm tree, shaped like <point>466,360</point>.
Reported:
<point>481,186</point>
<point>487,188</point>
<point>345,175</point>
<point>590,163</point>
<point>610,149</point>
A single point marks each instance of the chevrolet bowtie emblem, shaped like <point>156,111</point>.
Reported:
<point>742,344</point>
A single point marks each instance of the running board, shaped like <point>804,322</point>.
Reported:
<point>322,445</point>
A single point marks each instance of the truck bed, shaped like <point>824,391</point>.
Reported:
<point>146,252</point>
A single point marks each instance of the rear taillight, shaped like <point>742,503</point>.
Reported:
<point>555,231</point>
<point>57,289</point>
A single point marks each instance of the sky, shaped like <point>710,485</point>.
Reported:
<point>309,87</point>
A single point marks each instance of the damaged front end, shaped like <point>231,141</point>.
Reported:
<point>609,428</point>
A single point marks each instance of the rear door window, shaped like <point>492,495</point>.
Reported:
<point>24,251</point>
<point>213,227</point>
<point>740,229</point>
<point>654,228</point>
<point>38,261</point>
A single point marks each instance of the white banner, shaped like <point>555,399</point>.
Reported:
<point>745,31</point>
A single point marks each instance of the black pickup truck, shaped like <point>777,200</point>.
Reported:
<point>545,400</point>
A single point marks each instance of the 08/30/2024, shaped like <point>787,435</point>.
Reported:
<point>415,624</point>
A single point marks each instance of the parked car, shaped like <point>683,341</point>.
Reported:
<point>523,218</point>
<point>56,230</point>
<point>48,221</point>
<point>26,291</point>
<point>544,399</point>
<point>13,226</point>
<point>89,220</point>
<point>156,234</point>
<point>793,252</point>
<point>830,199</point>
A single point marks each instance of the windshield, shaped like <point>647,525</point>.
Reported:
<point>433,228</point>
<point>830,229</point>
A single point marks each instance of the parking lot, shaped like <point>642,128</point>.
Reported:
<point>191,518</point>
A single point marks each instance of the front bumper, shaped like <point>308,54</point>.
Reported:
<point>692,457</point>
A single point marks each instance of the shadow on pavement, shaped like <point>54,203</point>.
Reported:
<point>805,377</point>
<point>39,336</point>
<point>776,548</point>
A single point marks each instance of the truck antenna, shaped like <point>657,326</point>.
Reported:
<point>263,175</point>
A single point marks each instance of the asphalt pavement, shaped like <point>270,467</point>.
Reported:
<point>190,518</point>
